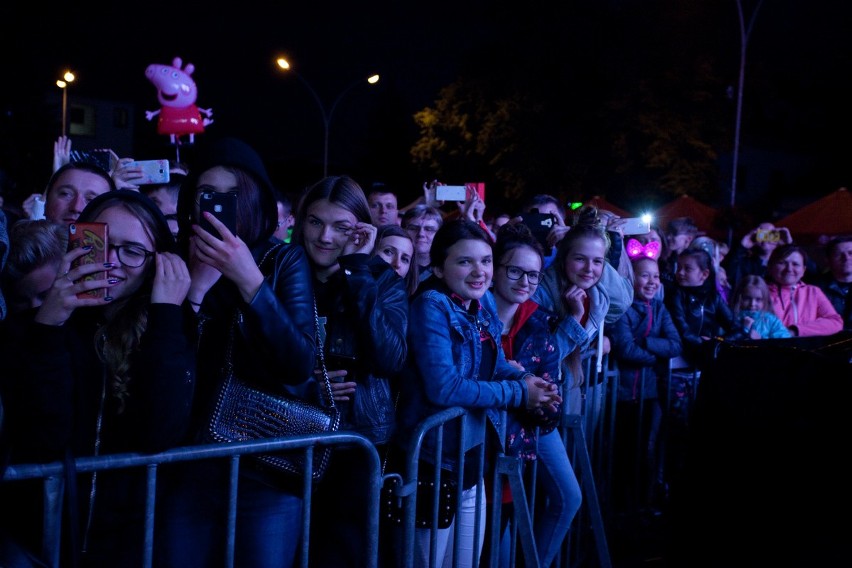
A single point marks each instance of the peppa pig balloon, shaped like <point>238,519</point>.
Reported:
<point>177,92</point>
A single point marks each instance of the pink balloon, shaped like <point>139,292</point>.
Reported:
<point>176,91</point>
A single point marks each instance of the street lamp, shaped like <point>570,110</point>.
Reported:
<point>326,114</point>
<point>67,78</point>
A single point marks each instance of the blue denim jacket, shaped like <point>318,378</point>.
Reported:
<point>443,371</point>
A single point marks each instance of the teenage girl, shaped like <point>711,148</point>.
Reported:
<point>753,314</point>
<point>585,291</point>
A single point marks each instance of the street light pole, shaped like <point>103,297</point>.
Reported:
<point>67,78</point>
<point>745,31</point>
<point>326,114</point>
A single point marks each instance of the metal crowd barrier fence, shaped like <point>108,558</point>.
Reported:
<point>587,529</point>
<point>53,478</point>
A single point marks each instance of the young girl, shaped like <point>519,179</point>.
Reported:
<point>753,315</point>
<point>698,310</point>
<point>527,340</point>
<point>456,360</point>
<point>644,339</point>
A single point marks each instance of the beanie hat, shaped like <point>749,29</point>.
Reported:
<point>234,153</point>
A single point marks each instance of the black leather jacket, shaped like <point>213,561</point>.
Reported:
<point>366,309</point>
<point>274,345</point>
<point>698,311</point>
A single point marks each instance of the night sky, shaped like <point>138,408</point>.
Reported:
<point>799,64</point>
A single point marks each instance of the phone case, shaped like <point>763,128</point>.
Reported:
<point>223,206</point>
<point>96,235</point>
<point>451,193</point>
<point>153,171</point>
<point>636,226</point>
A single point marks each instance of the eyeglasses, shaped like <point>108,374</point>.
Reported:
<point>132,256</point>
<point>515,273</point>
<point>411,228</point>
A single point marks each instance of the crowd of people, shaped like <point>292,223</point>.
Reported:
<point>415,309</point>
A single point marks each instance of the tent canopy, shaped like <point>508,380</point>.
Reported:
<point>686,206</point>
<point>830,215</point>
<point>602,203</point>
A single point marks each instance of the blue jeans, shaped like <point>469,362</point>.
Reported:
<point>562,495</point>
<point>192,533</point>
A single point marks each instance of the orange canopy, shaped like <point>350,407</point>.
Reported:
<point>602,203</point>
<point>830,215</point>
<point>686,206</point>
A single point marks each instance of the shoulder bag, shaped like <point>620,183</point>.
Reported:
<point>243,412</point>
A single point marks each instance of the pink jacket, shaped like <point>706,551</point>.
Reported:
<point>806,308</point>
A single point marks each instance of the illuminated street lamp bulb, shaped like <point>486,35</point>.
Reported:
<point>61,84</point>
<point>69,77</point>
<point>283,63</point>
<point>373,80</point>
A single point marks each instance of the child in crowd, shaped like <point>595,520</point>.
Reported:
<point>753,315</point>
<point>698,310</point>
<point>699,313</point>
<point>643,340</point>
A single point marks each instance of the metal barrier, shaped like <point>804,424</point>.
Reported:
<point>508,469</point>
<point>53,476</point>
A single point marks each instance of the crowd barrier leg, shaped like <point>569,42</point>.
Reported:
<point>511,468</point>
<point>582,462</point>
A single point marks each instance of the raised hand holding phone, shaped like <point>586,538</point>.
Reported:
<point>229,255</point>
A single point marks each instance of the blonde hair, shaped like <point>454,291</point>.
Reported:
<point>759,283</point>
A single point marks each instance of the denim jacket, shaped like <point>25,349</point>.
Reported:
<point>443,372</point>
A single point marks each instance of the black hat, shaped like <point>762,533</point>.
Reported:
<point>235,153</point>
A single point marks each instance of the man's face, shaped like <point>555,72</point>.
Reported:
<point>840,262</point>
<point>70,193</point>
<point>383,209</point>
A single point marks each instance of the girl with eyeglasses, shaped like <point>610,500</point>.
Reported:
<point>529,344</point>
<point>93,376</point>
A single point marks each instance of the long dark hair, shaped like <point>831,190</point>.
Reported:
<point>257,214</point>
<point>342,191</point>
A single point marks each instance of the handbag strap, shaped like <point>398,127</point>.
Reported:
<point>320,350</point>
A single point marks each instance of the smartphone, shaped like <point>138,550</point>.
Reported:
<point>451,193</point>
<point>636,226</point>
<point>153,171</point>
<point>223,206</point>
<point>105,159</point>
<point>95,235</point>
<point>540,225</point>
<point>768,236</point>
